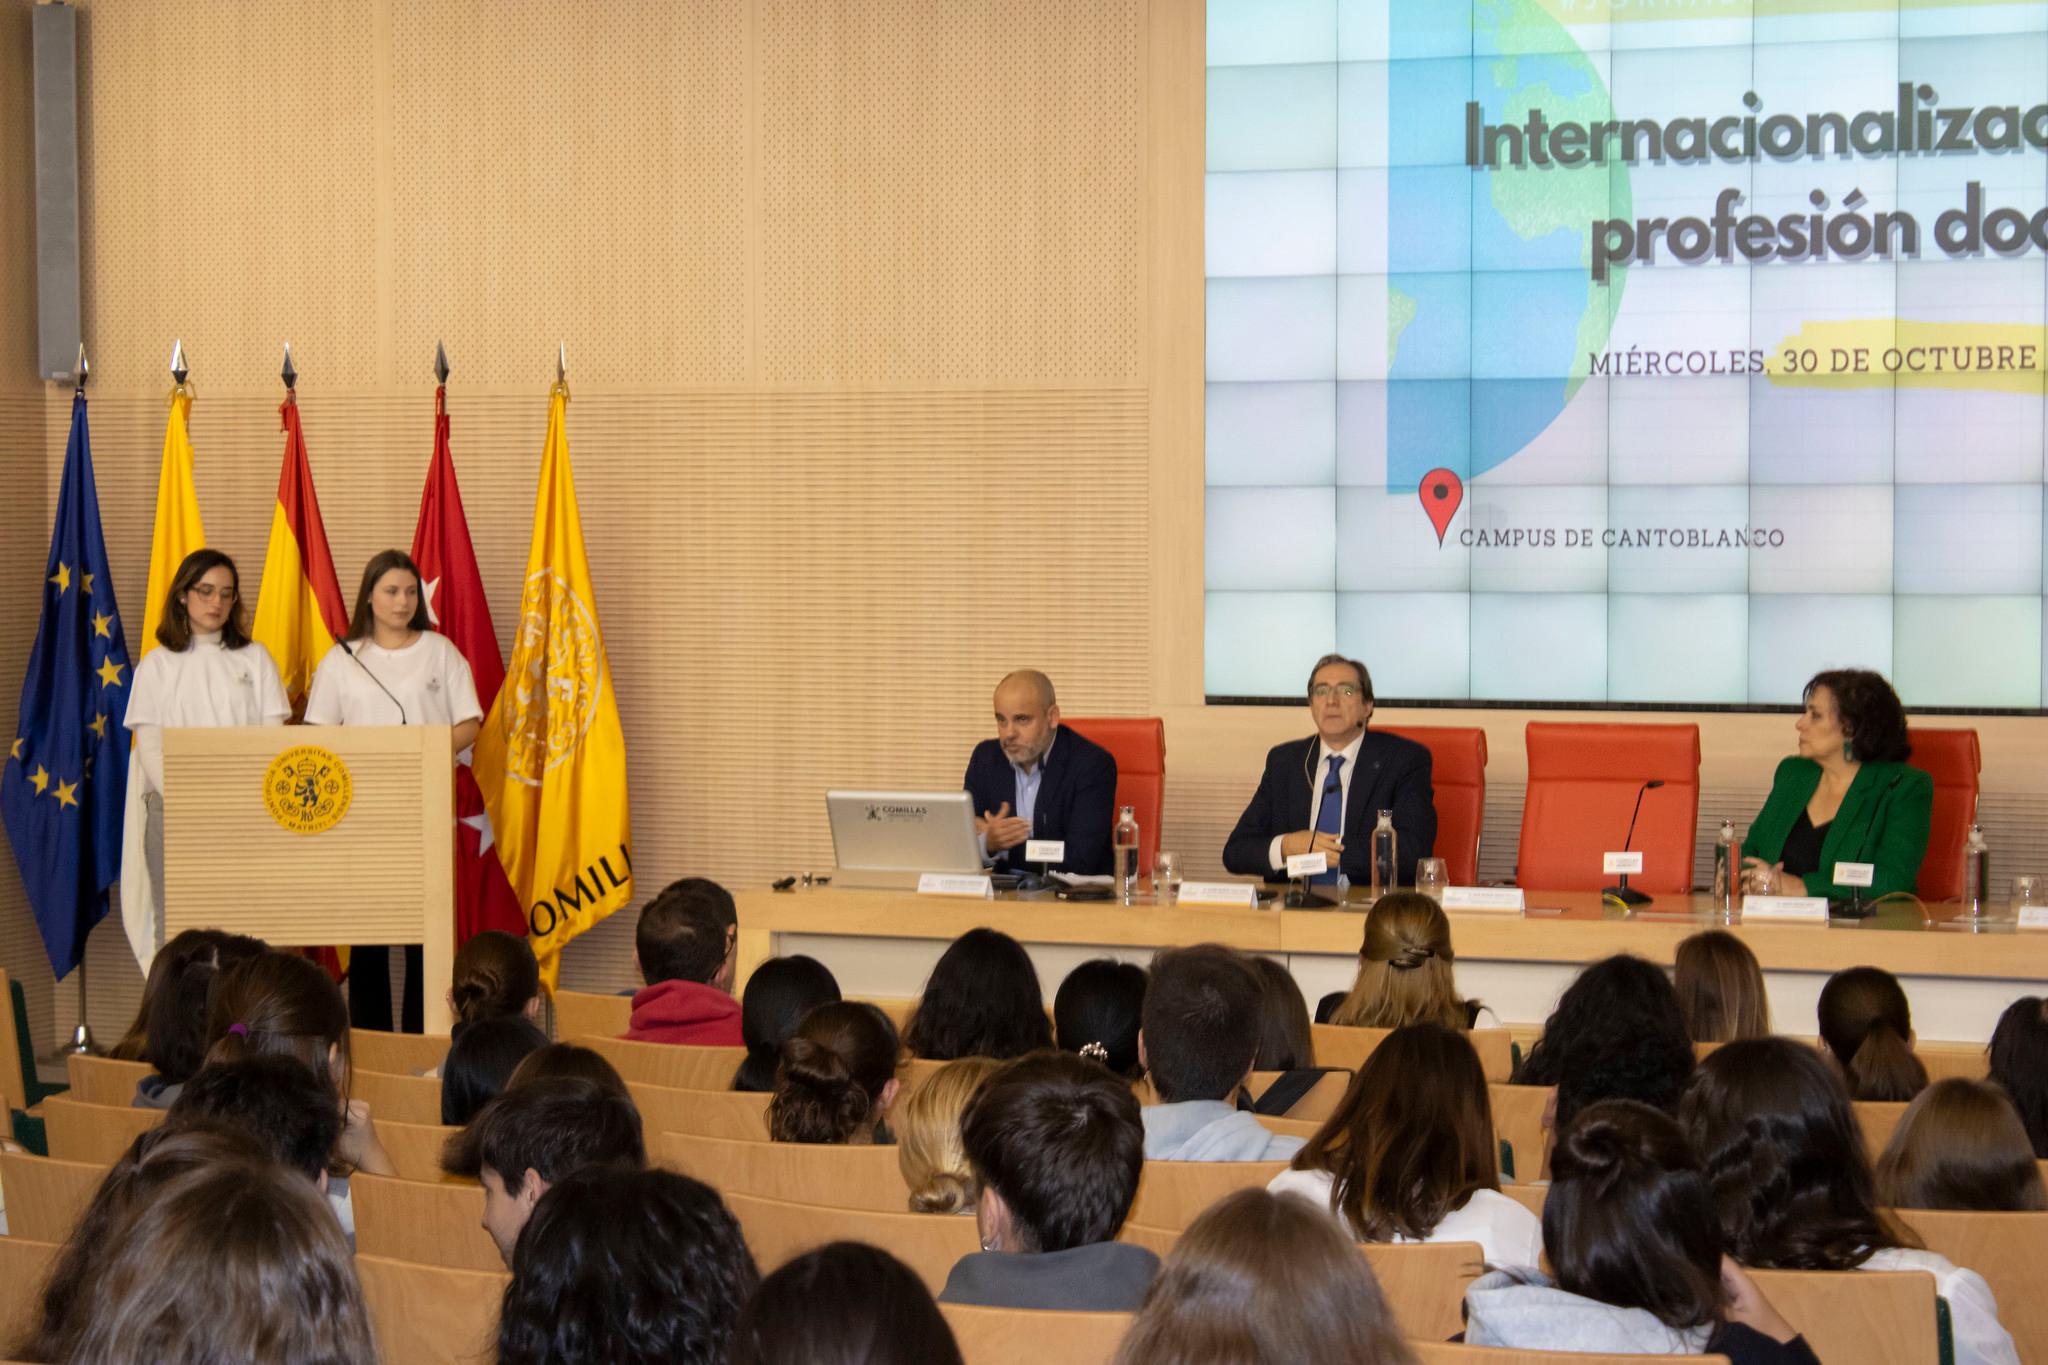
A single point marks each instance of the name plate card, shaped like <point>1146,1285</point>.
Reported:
<point>1307,864</point>
<point>1498,899</point>
<point>1855,874</point>
<point>955,884</point>
<point>1790,909</point>
<point>1045,850</point>
<point>2033,917</point>
<point>1621,863</point>
<point>1243,895</point>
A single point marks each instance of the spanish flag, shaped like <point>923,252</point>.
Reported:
<point>178,529</point>
<point>551,758</point>
<point>299,614</point>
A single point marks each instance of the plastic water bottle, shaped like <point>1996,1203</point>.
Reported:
<point>1127,854</point>
<point>1385,865</point>
<point>1727,868</point>
<point>1977,873</point>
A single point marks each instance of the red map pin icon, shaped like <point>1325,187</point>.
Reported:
<point>1441,492</point>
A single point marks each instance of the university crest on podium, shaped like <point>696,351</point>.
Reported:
<point>307,789</point>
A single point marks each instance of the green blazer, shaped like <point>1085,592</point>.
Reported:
<point>1883,821</point>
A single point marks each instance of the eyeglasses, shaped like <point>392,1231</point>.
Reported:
<point>207,592</point>
<point>1348,691</point>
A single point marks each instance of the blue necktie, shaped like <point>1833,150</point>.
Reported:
<point>1330,814</point>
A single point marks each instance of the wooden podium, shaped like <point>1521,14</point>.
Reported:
<point>315,834</point>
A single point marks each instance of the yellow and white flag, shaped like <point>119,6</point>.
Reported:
<point>178,528</point>
<point>551,758</point>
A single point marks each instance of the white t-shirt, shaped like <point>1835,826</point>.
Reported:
<point>1973,1311</point>
<point>203,684</point>
<point>429,678</point>
<point>1509,1236</point>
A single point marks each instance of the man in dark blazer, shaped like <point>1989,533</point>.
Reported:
<point>1037,781</point>
<point>1373,772</point>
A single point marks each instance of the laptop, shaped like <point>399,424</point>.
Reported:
<point>884,840</point>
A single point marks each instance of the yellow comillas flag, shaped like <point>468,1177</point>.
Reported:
<point>178,529</point>
<point>299,614</point>
<point>551,758</point>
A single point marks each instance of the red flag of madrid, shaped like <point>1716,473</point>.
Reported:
<point>455,605</point>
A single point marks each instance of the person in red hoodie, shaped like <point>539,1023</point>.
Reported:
<point>685,945</point>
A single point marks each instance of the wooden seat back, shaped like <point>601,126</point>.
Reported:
<point>1301,1128</point>
<point>416,1149</point>
<point>1456,1353</point>
<point>25,1266</point>
<point>737,1114</point>
<point>1023,1336</point>
<point>1969,1061</point>
<point>430,1314</point>
<point>898,1008</point>
<point>1348,1046</point>
<point>674,1065</point>
<point>94,1132</point>
<point>46,1197</point>
<point>1873,1317</point>
<point>778,1231</point>
<point>793,1172</point>
<point>412,1220</point>
<point>1172,1194</point>
<point>1319,1103</point>
<point>402,1099</point>
<point>396,1054</point>
<point>1530,1197</point>
<point>1518,1121</point>
<point>2009,1250</point>
<point>1878,1119</point>
<point>102,1080</point>
<point>581,1015</point>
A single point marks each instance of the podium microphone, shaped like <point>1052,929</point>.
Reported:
<point>1623,892</point>
<point>402,720</point>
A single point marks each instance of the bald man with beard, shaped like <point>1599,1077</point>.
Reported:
<point>1035,780</point>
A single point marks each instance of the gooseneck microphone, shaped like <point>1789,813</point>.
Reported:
<point>1623,892</point>
<point>401,705</point>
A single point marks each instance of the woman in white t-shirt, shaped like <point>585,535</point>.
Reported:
<point>394,669</point>
<point>1409,1155</point>
<point>207,673</point>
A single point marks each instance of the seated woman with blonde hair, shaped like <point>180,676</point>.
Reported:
<point>928,1147</point>
<point>1961,1145</point>
<point>1404,969</point>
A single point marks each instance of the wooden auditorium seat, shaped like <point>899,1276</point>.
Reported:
<point>102,1080</point>
<point>1871,1317</point>
<point>94,1132</point>
<point>402,1099</point>
<point>1301,1128</point>
<point>1878,1119</point>
<point>792,1172</point>
<point>430,1314</point>
<point>46,1197</point>
<point>581,1015</point>
<point>674,1065</point>
<point>1530,1197</point>
<point>1451,1353</point>
<point>1319,1103</point>
<point>898,1008</point>
<point>398,1054</point>
<point>1584,781</point>
<point>1172,1194</point>
<point>1518,1121</point>
<point>915,1071</point>
<point>778,1231</point>
<point>1138,744</point>
<point>1022,1336</point>
<point>1969,1061</point>
<point>24,1268</point>
<point>416,1148</point>
<point>2009,1250</point>
<point>411,1220</point>
<point>737,1114</point>
<point>1457,779</point>
<point>1348,1046</point>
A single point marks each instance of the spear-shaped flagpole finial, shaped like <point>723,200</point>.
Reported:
<point>561,362</point>
<point>84,370</point>
<point>440,363</point>
<point>178,367</point>
<point>290,373</point>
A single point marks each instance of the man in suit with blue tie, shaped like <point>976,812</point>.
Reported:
<point>1037,781</point>
<point>1324,793</point>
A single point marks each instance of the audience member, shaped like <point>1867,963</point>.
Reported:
<point>1720,989</point>
<point>236,1261</point>
<point>1200,1036</point>
<point>535,1136</point>
<point>570,1061</point>
<point>1096,1013</point>
<point>1409,1156</point>
<point>1961,1146</point>
<point>844,1304</point>
<point>1056,1149</point>
<point>482,1056</point>
<point>1262,1279</point>
<point>1617,1034</point>
<point>174,1033</point>
<point>927,1127</point>
<point>626,1267</point>
<point>495,975</point>
<point>2019,1064</point>
<point>779,993</point>
<point>684,945</point>
<point>1867,1025</point>
<point>1635,1250</point>
<point>1773,1126</point>
<point>276,1100</point>
<point>838,1076</point>
<point>1285,1042</point>
<point>981,1000</point>
<point>169,961</point>
<point>1405,969</point>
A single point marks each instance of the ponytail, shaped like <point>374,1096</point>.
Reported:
<point>495,975</point>
<point>1884,1067</point>
<point>1868,1026</point>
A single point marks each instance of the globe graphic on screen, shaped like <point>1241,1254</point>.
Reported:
<point>1527,314</point>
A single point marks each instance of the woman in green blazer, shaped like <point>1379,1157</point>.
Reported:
<point>1849,796</point>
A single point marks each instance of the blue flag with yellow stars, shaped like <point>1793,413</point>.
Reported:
<point>66,776</point>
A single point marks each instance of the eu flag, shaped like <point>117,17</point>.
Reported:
<point>66,776</point>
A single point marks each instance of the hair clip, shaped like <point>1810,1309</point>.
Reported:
<point>239,1030</point>
<point>1095,1052</point>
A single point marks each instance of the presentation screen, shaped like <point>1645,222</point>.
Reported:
<point>1626,351</point>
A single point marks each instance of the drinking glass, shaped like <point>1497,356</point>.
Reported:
<point>1431,877</point>
<point>1165,878</point>
<point>2028,889</point>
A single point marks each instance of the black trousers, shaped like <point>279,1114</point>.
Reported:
<point>369,987</point>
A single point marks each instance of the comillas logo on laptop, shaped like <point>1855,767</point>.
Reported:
<point>900,814</point>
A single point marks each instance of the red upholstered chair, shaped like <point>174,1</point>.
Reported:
<point>1457,775</point>
<point>1138,743</point>
<point>1583,781</point>
<point>1953,760</point>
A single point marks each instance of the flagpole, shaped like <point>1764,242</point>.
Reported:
<point>81,1037</point>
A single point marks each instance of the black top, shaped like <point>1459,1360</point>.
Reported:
<point>1801,853</point>
<point>1747,1346</point>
